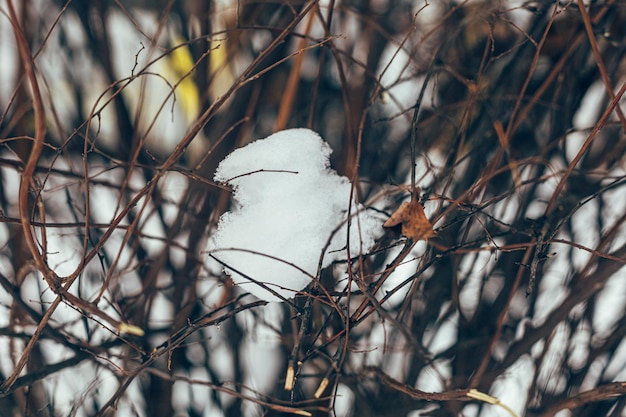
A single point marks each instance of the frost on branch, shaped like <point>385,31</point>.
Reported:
<point>287,204</point>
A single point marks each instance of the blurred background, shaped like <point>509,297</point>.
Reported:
<point>504,119</point>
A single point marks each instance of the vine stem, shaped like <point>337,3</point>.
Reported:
<point>27,179</point>
<point>31,164</point>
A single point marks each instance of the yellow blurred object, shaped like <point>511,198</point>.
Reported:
<point>181,64</point>
<point>220,69</point>
<point>125,328</point>
<point>177,67</point>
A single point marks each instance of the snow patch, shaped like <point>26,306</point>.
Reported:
<point>290,211</point>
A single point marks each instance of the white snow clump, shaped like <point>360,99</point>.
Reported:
<point>287,204</point>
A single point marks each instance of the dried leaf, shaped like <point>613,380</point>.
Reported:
<point>415,224</point>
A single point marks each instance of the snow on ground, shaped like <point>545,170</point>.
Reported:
<point>288,204</point>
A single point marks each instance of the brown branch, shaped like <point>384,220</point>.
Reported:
<point>394,384</point>
<point>611,107</point>
<point>27,179</point>
<point>598,58</point>
<point>31,164</point>
<point>482,368</point>
<point>601,393</point>
<point>291,86</point>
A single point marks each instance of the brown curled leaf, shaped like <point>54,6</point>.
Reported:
<point>415,224</point>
